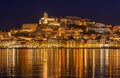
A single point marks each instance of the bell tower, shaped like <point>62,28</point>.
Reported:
<point>45,15</point>
<point>44,19</point>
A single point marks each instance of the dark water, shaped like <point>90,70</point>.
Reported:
<point>59,63</point>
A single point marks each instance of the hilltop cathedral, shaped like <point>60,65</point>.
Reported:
<point>49,21</point>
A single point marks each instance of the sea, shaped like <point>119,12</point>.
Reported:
<point>59,63</point>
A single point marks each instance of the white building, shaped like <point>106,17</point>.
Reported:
<point>100,30</point>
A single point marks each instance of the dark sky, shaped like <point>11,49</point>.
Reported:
<point>13,13</point>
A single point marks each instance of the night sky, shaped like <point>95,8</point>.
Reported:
<point>13,13</point>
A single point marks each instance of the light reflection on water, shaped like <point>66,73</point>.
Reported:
<point>59,63</point>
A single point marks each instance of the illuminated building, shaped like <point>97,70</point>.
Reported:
<point>72,20</point>
<point>29,27</point>
<point>49,21</point>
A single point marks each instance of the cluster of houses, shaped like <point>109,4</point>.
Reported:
<point>67,31</point>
